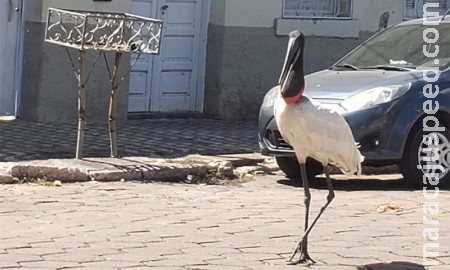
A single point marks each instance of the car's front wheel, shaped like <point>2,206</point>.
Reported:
<point>291,167</point>
<point>427,157</point>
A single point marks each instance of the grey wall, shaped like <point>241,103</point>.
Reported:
<point>49,87</point>
<point>243,63</point>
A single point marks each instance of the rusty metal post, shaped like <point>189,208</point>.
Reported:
<point>81,105</point>
<point>115,81</point>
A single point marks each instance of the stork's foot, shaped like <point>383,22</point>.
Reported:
<point>305,261</point>
<point>304,258</point>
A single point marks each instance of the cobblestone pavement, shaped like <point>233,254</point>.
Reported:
<point>150,137</point>
<point>127,225</point>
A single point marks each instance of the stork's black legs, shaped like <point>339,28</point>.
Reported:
<point>302,246</point>
<point>330,197</point>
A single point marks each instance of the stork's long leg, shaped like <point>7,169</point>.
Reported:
<point>303,246</point>
<point>330,198</point>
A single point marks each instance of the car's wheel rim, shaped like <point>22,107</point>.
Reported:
<point>433,144</point>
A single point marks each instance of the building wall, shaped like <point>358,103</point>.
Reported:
<point>49,87</point>
<point>247,44</point>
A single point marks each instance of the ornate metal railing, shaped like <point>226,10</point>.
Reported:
<point>86,30</point>
<point>103,32</point>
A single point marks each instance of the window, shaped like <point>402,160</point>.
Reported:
<point>401,46</point>
<point>317,9</point>
<point>414,8</point>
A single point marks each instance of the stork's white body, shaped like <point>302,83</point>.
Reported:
<point>318,132</point>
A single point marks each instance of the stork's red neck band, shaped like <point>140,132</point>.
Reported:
<point>294,99</point>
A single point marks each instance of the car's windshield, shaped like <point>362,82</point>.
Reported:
<point>401,48</point>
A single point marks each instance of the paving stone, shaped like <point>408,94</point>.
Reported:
<point>36,251</point>
<point>111,264</point>
<point>139,255</point>
<point>17,243</point>
<point>221,252</point>
<point>199,259</point>
<point>9,264</point>
<point>49,264</point>
<point>231,262</point>
<point>20,257</point>
<point>216,267</point>
<point>136,268</point>
<point>75,255</point>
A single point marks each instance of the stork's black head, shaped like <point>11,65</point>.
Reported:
<point>292,80</point>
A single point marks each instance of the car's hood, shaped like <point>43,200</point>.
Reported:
<point>329,84</point>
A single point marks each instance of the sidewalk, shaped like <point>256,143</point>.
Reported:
<point>147,149</point>
<point>154,138</point>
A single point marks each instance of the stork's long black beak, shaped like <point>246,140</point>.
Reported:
<point>292,79</point>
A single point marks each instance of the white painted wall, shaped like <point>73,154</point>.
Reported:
<point>267,13</point>
<point>37,9</point>
<point>252,13</point>
<point>218,12</point>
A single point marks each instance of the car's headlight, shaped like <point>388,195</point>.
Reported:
<point>270,97</point>
<point>374,96</point>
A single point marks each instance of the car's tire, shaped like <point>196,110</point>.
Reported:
<point>410,163</point>
<point>291,167</point>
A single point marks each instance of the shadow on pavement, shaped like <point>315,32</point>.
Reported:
<point>392,266</point>
<point>351,185</point>
<point>356,184</point>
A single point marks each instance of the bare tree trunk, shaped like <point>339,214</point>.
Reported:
<point>113,104</point>
<point>81,105</point>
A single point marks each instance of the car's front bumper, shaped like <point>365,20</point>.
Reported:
<point>371,128</point>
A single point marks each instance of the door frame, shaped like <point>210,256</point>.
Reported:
<point>201,77</point>
<point>19,55</point>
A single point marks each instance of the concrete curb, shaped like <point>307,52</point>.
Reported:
<point>118,169</point>
<point>143,168</point>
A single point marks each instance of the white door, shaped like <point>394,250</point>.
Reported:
<point>172,81</point>
<point>10,11</point>
<point>141,75</point>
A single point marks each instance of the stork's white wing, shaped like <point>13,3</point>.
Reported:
<point>327,137</point>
